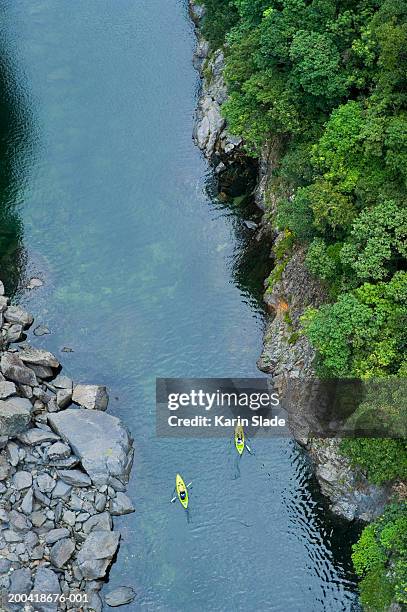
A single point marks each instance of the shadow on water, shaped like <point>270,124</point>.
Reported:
<point>337,534</point>
<point>14,132</point>
<point>233,192</point>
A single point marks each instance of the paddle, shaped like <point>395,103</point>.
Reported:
<point>176,497</point>
<point>249,450</point>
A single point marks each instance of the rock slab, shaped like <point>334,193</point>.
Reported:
<point>100,440</point>
<point>97,553</point>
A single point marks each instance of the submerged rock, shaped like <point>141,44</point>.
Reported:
<point>14,333</point>
<point>34,282</point>
<point>100,441</point>
<point>41,330</point>
<point>120,597</point>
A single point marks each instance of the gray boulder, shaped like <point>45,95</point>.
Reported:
<point>100,441</point>
<point>21,581</point>
<point>59,450</point>
<point>14,333</point>
<point>13,453</point>
<point>5,566</point>
<point>6,389</point>
<point>93,397</point>
<point>92,590</point>
<point>35,436</point>
<point>97,553</point>
<point>57,534</point>
<point>62,490</point>
<point>64,398</point>
<point>41,371</point>
<point>121,504</point>
<point>15,416</point>
<point>45,483</point>
<point>61,552</point>
<point>16,314</point>
<point>14,369</point>
<point>197,11</point>
<point>4,467</point>
<point>62,382</point>
<point>98,522</point>
<point>19,522</point>
<point>28,501</point>
<point>39,357</point>
<point>76,478</point>
<point>22,480</point>
<point>11,536</point>
<point>46,581</point>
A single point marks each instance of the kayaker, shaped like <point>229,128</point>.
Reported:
<point>239,440</point>
<point>182,495</point>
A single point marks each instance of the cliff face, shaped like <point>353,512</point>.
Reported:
<point>286,353</point>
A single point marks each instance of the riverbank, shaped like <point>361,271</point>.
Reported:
<point>64,467</point>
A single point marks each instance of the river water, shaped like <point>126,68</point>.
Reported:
<point>105,198</point>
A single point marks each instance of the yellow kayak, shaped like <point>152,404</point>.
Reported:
<point>181,488</point>
<point>239,439</point>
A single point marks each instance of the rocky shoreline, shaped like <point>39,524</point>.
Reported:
<point>64,467</point>
<point>286,352</point>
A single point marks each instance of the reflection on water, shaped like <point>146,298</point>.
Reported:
<point>232,194</point>
<point>147,274</point>
<point>15,137</point>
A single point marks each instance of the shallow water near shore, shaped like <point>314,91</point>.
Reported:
<point>105,199</point>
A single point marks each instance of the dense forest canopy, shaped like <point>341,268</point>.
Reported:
<point>327,80</point>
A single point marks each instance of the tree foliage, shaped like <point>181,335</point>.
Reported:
<point>384,539</point>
